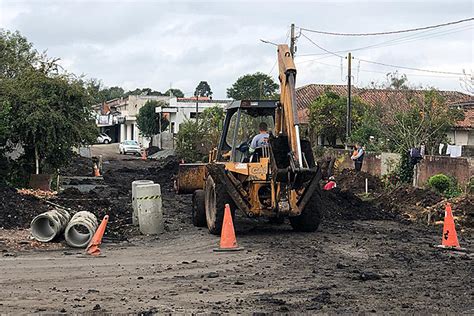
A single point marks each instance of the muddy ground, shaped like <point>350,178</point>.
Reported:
<point>362,259</point>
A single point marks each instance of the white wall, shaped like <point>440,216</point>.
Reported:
<point>458,137</point>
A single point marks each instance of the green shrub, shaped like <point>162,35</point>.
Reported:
<point>470,186</point>
<point>439,182</point>
<point>445,185</point>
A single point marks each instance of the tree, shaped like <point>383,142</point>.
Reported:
<point>327,116</point>
<point>148,121</point>
<point>397,81</point>
<point>144,91</point>
<point>175,92</point>
<point>425,121</point>
<point>253,87</point>
<point>203,89</point>
<point>49,112</point>
<point>194,141</point>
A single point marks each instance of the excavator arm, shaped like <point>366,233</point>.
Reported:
<point>286,116</point>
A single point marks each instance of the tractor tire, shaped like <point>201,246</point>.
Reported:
<point>199,208</point>
<point>309,219</point>
<point>216,198</point>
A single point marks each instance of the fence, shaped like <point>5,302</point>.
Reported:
<point>462,168</point>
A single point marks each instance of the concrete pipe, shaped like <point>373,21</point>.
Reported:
<point>46,226</point>
<point>134,200</point>
<point>81,229</point>
<point>150,213</point>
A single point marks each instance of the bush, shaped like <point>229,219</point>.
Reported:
<point>445,185</point>
<point>439,182</point>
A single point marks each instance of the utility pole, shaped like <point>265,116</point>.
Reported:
<point>349,106</point>
<point>293,40</point>
<point>197,107</point>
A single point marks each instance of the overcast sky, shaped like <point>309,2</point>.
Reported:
<point>159,43</point>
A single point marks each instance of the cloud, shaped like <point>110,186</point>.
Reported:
<point>152,44</point>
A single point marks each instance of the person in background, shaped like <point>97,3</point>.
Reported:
<point>358,157</point>
<point>331,184</point>
<point>261,139</point>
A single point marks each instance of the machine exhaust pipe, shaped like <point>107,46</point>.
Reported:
<point>46,226</point>
<point>81,229</point>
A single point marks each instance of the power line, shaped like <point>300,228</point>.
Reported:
<point>320,47</point>
<point>383,64</point>
<point>400,40</point>
<point>412,68</point>
<point>388,32</point>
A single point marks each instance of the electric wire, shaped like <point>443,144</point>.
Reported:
<point>388,32</point>
<point>383,64</point>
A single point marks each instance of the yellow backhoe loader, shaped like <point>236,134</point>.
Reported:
<point>280,179</point>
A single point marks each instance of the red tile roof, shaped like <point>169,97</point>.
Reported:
<point>307,94</point>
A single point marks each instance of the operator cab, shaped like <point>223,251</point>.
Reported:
<point>241,124</point>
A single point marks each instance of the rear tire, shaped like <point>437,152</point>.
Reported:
<point>216,197</point>
<point>106,141</point>
<point>199,208</point>
<point>309,219</point>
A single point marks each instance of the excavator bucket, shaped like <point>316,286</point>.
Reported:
<point>191,177</point>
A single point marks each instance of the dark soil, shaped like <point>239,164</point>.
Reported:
<point>407,195</point>
<point>16,210</point>
<point>350,180</point>
<point>115,198</point>
<point>345,205</point>
<point>78,166</point>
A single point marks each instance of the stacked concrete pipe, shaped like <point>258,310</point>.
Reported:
<point>81,229</point>
<point>47,226</point>
<point>134,198</point>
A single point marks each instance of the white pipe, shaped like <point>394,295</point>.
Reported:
<point>46,226</point>
<point>134,200</point>
<point>366,186</point>
<point>150,213</point>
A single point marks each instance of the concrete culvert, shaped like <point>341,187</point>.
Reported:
<point>80,229</point>
<point>46,226</point>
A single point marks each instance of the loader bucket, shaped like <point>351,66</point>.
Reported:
<point>191,177</point>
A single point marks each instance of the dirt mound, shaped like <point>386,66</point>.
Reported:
<point>115,198</point>
<point>342,204</point>
<point>463,210</point>
<point>16,210</point>
<point>350,180</point>
<point>78,166</point>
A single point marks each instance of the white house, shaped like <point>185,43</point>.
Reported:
<point>118,117</point>
<point>182,109</point>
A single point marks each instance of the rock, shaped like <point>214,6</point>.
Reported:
<point>212,275</point>
<point>96,307</point>
<point>368,276</point>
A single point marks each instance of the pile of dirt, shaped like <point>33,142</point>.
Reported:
<point>17,210</point>
<point>152,150</point>
<point>345,205</point>
<point>350,180</point>
<point>462,207</point>
<point>78,166</point>
<point>407,195</point>
<point>114,199</point>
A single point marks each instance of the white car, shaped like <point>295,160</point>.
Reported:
<point>129,146</point>
<point>104,139</point>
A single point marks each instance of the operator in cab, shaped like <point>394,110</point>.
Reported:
<point>261,139</point>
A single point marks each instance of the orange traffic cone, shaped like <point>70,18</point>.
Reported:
<point>96,171</point>
<point>144,154</point>
<point>93,247</point>
<point>228,240</point>
<point>449,239</point>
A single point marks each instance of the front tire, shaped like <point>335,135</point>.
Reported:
<point>215,199</point>
<point>199,208</point>
<point>310,217</point>
<point>106,141</point>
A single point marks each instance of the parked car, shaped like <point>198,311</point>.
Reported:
<point>129,146</point>
<point>104,139</point>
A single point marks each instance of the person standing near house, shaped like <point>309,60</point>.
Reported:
<point>358,157</point>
